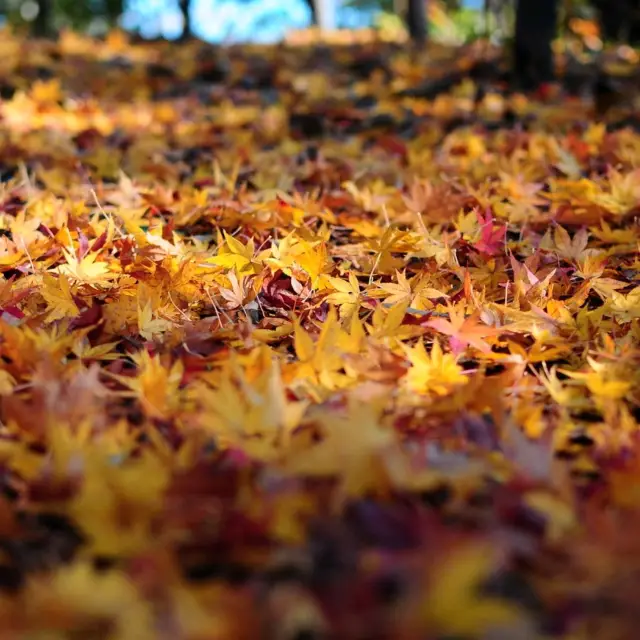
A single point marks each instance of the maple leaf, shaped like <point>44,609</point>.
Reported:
<point>57,293</point>
<point>591,267</point>
<point>87,270</point>
<point>468,225</point>
<point>608,235</point>
<point>24,232</point>
<point>148,326</point>
<point>235,255</point>
<point>235,296</point>
<point>252,413</point>
<point>560,393</point>
<point>372,197</point>
<point>322,366</point>
<point>604,381</point>
<point>520,191</point>
<point>46,91</point>
<point>438,248</point>
<point>347,295</point>
<point>98,352</point>
<point>155,385</point>
<point>7,383</point>
<point>457,607</point>
<point>9,253</point>
<point>625,308</point>
<point>392,240</point>
<point>531,287</point>
<point>273,335</point>
<point>415,292</point>
<point>389,324</point>
<point>464,331</point>
<point>492,237</point>
<point>353,449</point>
<point>316,263</point>
<point>434,372</point>
<point>137,489</point>
<point>622,192</point>
<point>568,164</point>
<point>566,247</point>
<point>420,193</point>
<point>302,259</point>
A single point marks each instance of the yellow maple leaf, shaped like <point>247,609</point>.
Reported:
<point>103,351</point>
<point>321,363</point>
<point>57,293</point>
<point>253,414</point>
<point>148,326</point>
<point>416,292</point>
<point>604,381</point>
<point>235,255</point>
<point>353,448</point>
<point>455,605</point>
<point>135,488</point>
<point>9,253</point>
<point>156,386</point>
<point>46,91</point>
<point>625,307</point>
<point>302,259</point>
<point>388,323</point>
<point>87,270</point>
<point>346,295</point>
<point>437,248</point>
<point>434,372</point>
<point>7,383</point>
<point>24,232</point>
<point>392,241</point>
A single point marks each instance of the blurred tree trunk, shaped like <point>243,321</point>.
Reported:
<point>616,18</point>
<point>417,20</point>
<point>312,7</point>
<point>43,23</point>
<point>184,8</point>
<point>536,24</point>
<point>114,9</point>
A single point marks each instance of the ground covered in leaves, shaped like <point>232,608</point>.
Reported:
<point>313,343</point>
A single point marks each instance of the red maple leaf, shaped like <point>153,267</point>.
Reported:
<point>492,236</point>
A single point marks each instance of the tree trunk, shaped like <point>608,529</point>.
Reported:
<point>312,8</point>
<point>184,8</point>
<point>42,25</point>
<point>114,9</point>
<point>417,21</point>
<point>616,18</point>
<point>536,24</point>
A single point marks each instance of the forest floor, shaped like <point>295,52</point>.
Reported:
<point>308,343</point>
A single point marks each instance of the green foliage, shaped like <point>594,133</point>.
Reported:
<point>469,24</point>
<point>73,14</point>
<point>388,21</point>
<point>385,6</point>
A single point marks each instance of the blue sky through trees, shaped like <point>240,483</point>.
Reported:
<point>231,20</point>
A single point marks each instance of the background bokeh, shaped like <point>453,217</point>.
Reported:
<point>226,20</point>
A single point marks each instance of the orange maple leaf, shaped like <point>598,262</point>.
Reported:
<point>464,331</point>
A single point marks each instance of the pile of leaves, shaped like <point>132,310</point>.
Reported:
<point>306,343</point>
